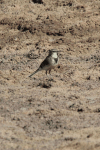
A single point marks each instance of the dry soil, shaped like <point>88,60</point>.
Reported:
<point>60,111</point>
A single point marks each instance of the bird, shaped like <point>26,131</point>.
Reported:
<point>49,62</point>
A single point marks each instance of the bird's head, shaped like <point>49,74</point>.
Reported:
<point>53,53</point>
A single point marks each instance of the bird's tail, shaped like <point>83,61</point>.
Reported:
<point>34,72</point>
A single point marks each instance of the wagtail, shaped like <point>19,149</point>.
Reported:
<point>49,62</point>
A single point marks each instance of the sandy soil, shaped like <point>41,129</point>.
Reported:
<point>60,111</point>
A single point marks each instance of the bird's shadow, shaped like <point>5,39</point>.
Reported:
<point>44,82</point>
<point>47,83</point>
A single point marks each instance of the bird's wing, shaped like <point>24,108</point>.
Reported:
<point>45,62</point>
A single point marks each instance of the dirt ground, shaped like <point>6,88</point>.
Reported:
<point>60,111</point>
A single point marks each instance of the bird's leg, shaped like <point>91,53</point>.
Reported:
<point>49,71</point>
<point>50,79</point>
<point>47,76</point>
<point>46,72</point>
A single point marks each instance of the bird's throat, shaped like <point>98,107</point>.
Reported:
<point>54,55</point>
